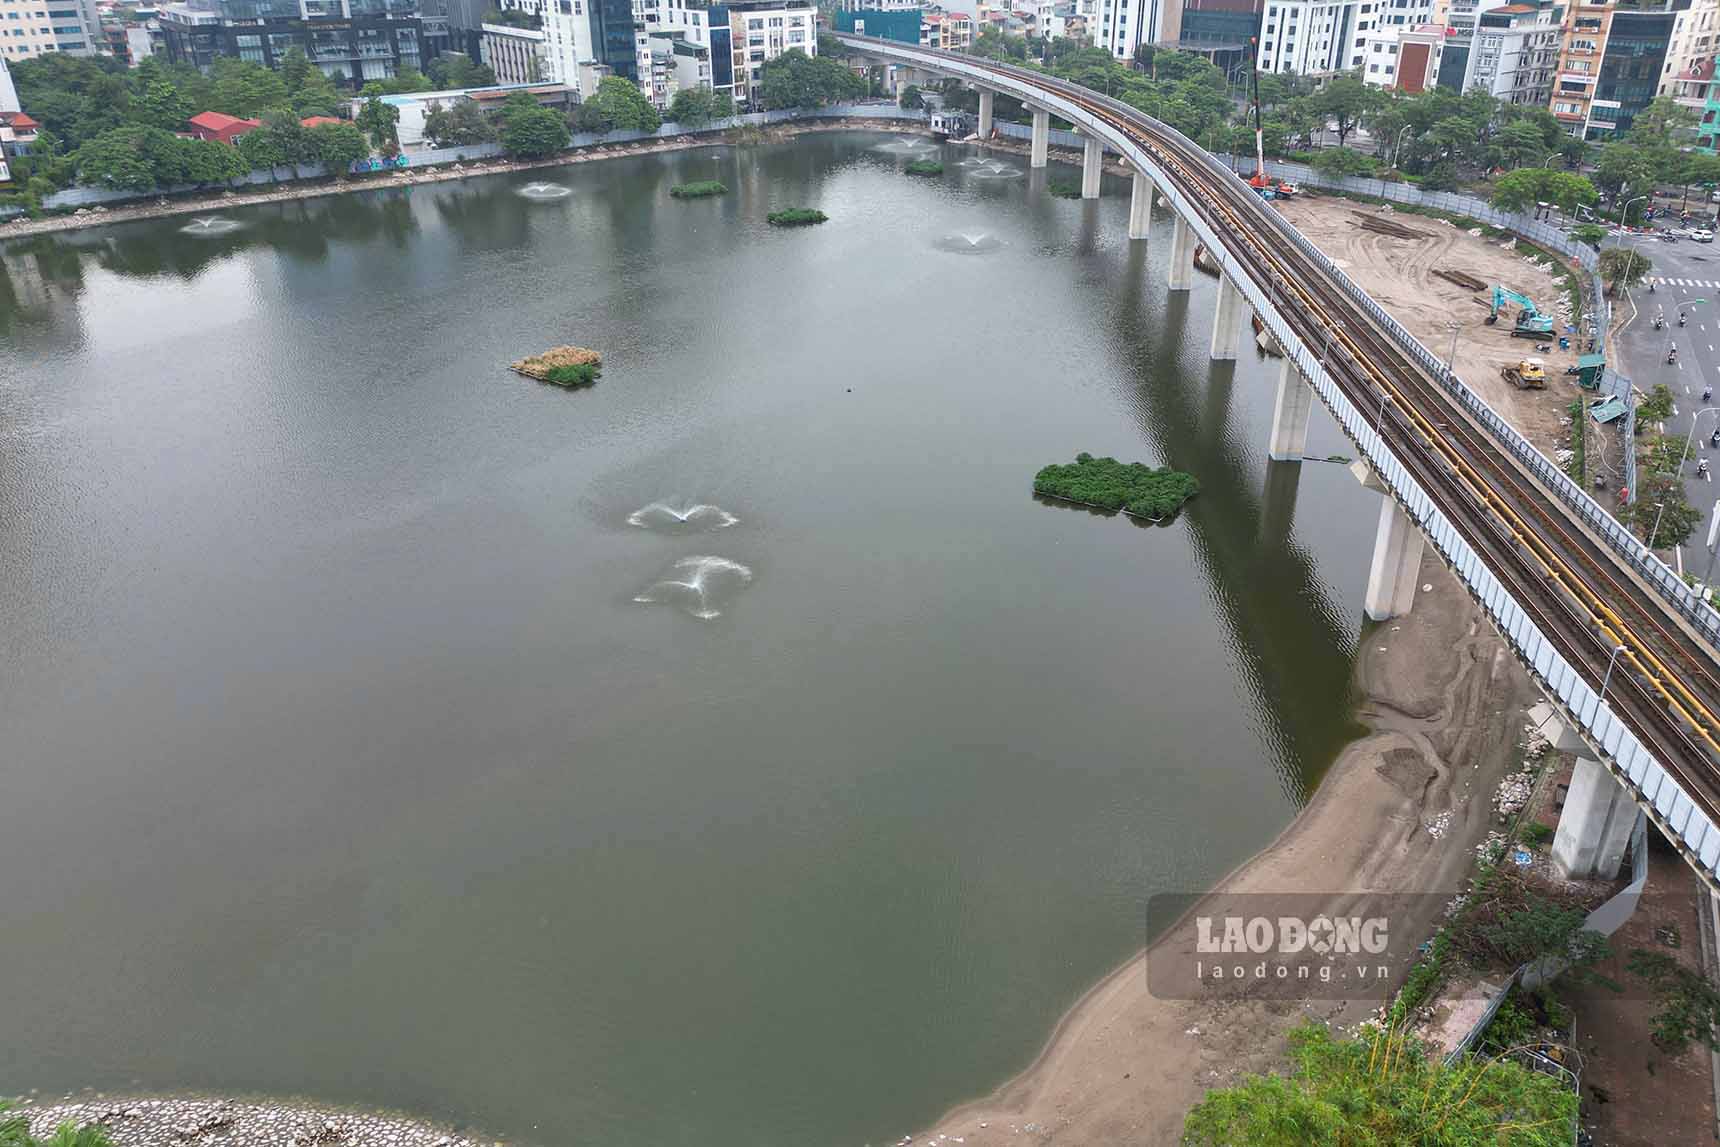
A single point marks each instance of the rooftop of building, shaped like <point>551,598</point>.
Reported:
<point>493,92</point>
<point>221,121</point>
<point>18,121</point>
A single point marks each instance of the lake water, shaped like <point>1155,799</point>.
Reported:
<point>342,758</point>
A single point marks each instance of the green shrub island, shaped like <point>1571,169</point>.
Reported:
<point>574,374</point>
<point>924,167</point>
<point>703,189</point>
<point>796,217</point>
<point>1064,188</point>
<point>1132,487</point>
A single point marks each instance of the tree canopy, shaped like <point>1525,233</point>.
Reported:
<point>530,130</point>
<point>796,80</point>
<point>695,107</point>
<point>617,105</point>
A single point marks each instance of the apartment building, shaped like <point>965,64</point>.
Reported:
<point>351,41</point>
<point>1122,26</point>
<point>951,31</point>
<point>1317,37</point>
<point>762,30</point>
<point>31,28</point>
<point>1695,38</point>
<point>1515,53</point>
<point>1405,59</point>
<point>1587,26</point>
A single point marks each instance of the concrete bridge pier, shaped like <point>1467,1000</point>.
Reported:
<point>985,104</point>
<point>1092,167</point>
<point>1140,207</point>
<point>1227,320</point>
<point>1595,826</point>
<point>1041,137</point>
<point>1396,562</point>
<point>1181,270</point>
<point>1290,415</point>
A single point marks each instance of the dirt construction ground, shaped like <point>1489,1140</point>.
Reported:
<point>1399,274</point>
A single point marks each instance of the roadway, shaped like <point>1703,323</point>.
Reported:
<point>1686,278</point>
<point>1582,596</point>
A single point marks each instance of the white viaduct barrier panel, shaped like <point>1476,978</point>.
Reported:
<point>1624,755</point>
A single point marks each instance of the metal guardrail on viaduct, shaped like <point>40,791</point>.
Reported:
<point>1585,606</point>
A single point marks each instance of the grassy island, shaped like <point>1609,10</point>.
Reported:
<point>703,189</point>
<point>1064,188</point>
<point>569,366</point>
<point>796,217</point>
<point>1132,487</point>
<point>924,167</point>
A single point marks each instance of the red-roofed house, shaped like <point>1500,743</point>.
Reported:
<point>217,125</point>
<point>17,133</point>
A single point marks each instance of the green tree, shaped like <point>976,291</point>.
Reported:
<point>911,98</point>
<point>339,146</point>
<point>377,119</point>
<point>245,89</point>
<point>295,69</point>
<point>461,124</point>
<point>1523,143</point>
<point>796,80</point>
<point>535,131</point>
<point>163,106</point>
<point>1622,267</point>
<point>1689,1004</point>
<point>316,96</point>
<point>458,70</point>
<point>1344,101</point>
<point>695,107</point>
<point>619,104</point>
<point>1336,162</point>
<point>124,158</point>
<point>1526,187</point>
<point>261,151</point>
<point>1380,1089</point>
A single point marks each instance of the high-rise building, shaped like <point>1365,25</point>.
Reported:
<point>762,30</point>
<point>31,28</point>
<point>351,41</point>
<point>1319,37</point>
<point>1405,59</point>
<point>1695,38</point>
<point>1514,53</point>
<point>1587,26</point>
<point>1122,26</point>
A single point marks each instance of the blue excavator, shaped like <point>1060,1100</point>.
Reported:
<point>1531,323</point>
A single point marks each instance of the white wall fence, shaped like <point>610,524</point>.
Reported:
<point>418,158</point>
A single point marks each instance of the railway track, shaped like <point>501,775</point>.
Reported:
<point>1584,599</point>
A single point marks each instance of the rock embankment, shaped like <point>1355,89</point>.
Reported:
<point>204,1122</point>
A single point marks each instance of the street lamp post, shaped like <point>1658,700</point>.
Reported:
<point>1695,420</point>
<point>1397,145</point>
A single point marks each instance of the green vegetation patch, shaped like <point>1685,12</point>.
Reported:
<point>796,217</point>
<point>574,374</point>
<point>1064,188</point>
<point>703,189</point>
<point>925,167</point>
<point>1132,487</point>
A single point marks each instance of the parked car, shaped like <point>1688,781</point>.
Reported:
<point>1702,235</point>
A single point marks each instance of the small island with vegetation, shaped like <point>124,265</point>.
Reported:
<point>701,189</point>
<point>796,217</point>
<point>1107,484</point>
<point>1064,188</point>
<point>924,167</point>
<point>569,366</point>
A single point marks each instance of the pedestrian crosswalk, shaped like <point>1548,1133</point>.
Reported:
<point>1661,282</point>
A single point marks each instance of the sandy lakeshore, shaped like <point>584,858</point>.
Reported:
<point>1444,700</point>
